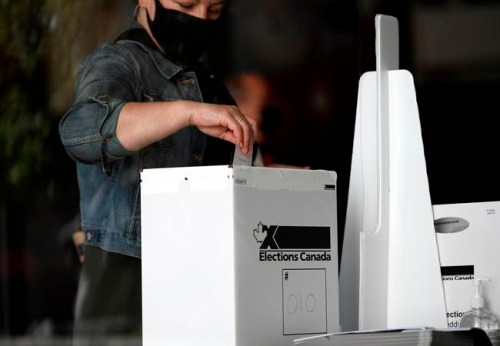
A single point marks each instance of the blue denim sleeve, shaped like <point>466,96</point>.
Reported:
<point>105,82</point>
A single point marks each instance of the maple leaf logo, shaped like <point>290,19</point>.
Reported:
<point>260,233</point>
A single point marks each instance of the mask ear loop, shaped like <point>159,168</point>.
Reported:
<point>136,11</point>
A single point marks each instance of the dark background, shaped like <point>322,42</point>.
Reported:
<point>311,52</point>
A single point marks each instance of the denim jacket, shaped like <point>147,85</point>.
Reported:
<point>108,174</point>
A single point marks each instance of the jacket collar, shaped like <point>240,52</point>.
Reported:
<point>140,37</point>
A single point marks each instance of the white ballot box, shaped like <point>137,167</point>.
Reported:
<point>235,255</point>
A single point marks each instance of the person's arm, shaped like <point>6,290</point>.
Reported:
<point>101,127</point>
<point>143,123</point>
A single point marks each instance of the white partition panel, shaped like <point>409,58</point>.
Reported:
<point>390,274</point>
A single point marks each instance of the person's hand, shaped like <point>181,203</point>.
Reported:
<point>225,122</point>
<point>143,123</point>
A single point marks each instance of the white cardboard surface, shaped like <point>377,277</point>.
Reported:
<point>206,280</point>
<point>388,268</point>
<point>389,258</point>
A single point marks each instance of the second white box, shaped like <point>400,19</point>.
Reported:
<point>468,236</point>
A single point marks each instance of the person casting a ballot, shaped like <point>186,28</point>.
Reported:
<point>142,101</point>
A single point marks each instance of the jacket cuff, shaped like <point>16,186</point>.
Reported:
<point>112,148</point>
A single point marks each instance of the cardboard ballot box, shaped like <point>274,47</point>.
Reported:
<point>468,237</point>
<point>238,255</point>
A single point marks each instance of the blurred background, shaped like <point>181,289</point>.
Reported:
<point>293,64</point>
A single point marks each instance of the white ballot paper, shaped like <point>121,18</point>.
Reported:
<point>240,159</point>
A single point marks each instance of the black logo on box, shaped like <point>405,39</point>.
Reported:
<point>293,243</point>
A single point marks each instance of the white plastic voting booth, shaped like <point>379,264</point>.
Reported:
<point>237,255</point>
<point>390,274</point>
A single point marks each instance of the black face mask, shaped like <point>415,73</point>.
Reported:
<point>182,37</point>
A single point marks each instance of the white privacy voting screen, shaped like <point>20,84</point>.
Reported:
<point>390,275</point>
